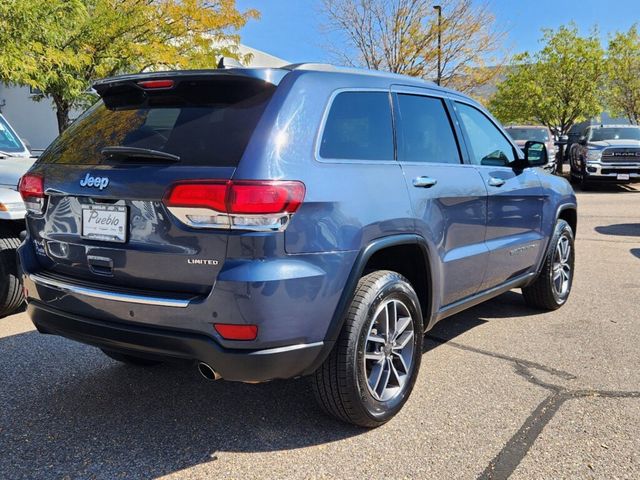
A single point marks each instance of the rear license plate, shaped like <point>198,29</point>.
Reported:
<point>104,222</point>
<point>623,176</point>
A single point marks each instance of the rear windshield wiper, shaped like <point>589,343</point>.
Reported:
<point>135,152</point>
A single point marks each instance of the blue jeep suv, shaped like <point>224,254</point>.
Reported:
<point>276,223</point>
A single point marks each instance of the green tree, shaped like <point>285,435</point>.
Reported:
<point>62,46</point>
<point>623,74</point>
<point>557,86</point>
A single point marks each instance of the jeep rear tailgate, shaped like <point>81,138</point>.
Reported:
<point>106,176</point>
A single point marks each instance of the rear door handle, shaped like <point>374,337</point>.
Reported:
<point>424,182</point>
<point>496,182</point>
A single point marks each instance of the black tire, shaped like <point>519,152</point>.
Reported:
<point>11,297</point>
<point>340,384</point>
<point>542,293</point>
<point>130,359</point>
<point>585,185</point>
<point>573,180</point>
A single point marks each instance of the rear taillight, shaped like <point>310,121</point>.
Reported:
<point>32,191</point>
<point>243,204</point>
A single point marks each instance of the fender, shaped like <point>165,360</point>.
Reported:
<point>356,273</point>
<point>562,207</point>
<point>567,206</point>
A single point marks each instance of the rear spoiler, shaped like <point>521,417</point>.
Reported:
<point>271,76</point>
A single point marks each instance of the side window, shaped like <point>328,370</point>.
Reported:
<point>358,127</point>
<point>488,145</point>
<point>424,132</point>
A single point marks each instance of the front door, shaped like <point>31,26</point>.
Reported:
<point>515,198</point>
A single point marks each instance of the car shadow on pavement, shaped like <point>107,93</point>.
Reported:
<point>635,252</point>
<point>621,229</point>
<point>67,410</point>
<point>609,188</point>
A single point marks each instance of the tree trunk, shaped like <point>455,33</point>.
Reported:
<point>62,113</point>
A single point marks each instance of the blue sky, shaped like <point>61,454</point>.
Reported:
<point>291,29</point>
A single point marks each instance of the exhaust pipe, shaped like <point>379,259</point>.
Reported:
<point>207,372</point>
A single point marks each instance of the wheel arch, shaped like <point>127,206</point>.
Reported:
<point>569,213</point>
<point>376,256</point>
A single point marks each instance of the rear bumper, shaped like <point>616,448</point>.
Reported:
<point>231,364</point>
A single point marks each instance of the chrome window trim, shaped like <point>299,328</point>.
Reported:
<point>107,295</point>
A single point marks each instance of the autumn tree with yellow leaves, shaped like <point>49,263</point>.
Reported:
<point>61,46</point>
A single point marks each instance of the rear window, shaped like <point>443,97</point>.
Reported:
<point>358,127</point>
<point>203,122</point>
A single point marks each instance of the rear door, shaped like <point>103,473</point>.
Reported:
<point>106,176</point>
<point>448,197</point>
<point>514,218</point>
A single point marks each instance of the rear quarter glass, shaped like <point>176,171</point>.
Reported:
<point>204,122</point>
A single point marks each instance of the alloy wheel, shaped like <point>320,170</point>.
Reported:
<point>389,348</point>
<point>561,272</point>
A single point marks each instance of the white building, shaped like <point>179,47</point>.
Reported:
<point>35,121</point>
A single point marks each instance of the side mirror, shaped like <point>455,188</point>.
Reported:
<point>535,154</point>
<point>582,140</point>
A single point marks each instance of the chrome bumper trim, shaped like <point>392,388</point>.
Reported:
<point>288,348</point>
<point>107,295</point>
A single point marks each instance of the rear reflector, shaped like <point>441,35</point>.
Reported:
<point>32,191</point>
<point>151,84</point>
<point>236,332</point>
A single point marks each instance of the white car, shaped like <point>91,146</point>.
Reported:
<point>15,160</point>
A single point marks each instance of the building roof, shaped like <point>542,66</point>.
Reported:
<point>261,59</point>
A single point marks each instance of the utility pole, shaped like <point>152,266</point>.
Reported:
<point>438,8</point>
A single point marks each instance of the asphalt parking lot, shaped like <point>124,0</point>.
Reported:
<point>503,391</point>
